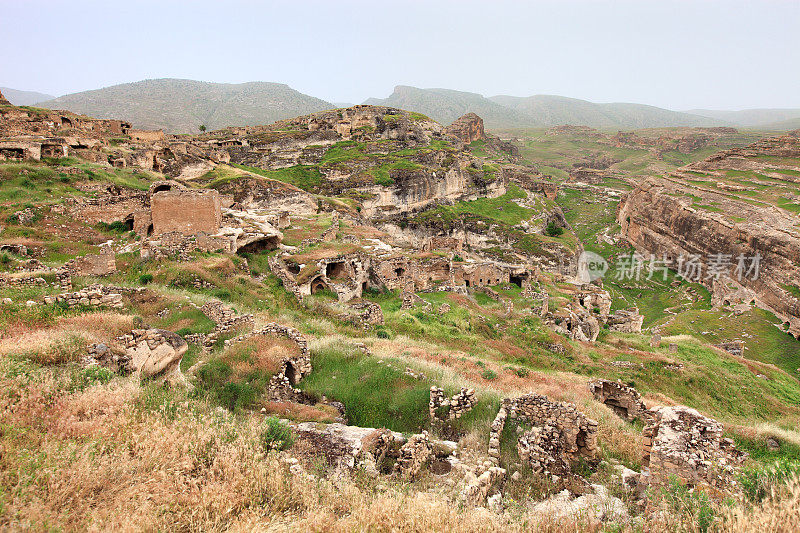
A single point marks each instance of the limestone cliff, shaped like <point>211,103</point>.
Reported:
<point>739,203</point>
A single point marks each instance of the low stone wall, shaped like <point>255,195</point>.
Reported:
<point>93,296</point>
<point>25,281</point>
<point>217,311</point>
<point>227,326</point>
<point>457,406</point>
<point>369,313</point>
<point>293,369</point>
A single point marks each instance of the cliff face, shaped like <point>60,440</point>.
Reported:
<point>731,212</point>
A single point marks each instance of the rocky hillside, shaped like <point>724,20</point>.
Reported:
<point>361,319</point>
<point>181,106</point>
<point>499,112</point>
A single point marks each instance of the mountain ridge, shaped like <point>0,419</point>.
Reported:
<point>182,106</point>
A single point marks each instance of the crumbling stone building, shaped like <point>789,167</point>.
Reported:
<point>682,443</point>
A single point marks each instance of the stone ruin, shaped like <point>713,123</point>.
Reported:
<point>624,400</point>
<point>683,443</point>
<point>368,313</point>
<point>576,434</point>
<point>735,348</point>
<point>445,409</point>
<point>150,353</point>
<point>293,368</point>
<point>542,449</point>
<point>414,454</point>
<point>92,296</point>
<point>187,212</point>
<point>626,321</point>
<point>99,264</point>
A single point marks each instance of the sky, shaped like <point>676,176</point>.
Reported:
<point>718,54</point>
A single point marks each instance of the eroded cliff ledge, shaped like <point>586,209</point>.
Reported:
<point>738,203</point>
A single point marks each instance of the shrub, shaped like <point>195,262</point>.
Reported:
<point>276,435</point>
<point>553,229</point>
<point>488,374</point>
<point>522,372</point>
<point>144,279</point>
<point>117,226</point>
<point>382,334</point>
<point>694,505</point>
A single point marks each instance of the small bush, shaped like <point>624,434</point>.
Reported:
<point>144,279</point>
<point>522,372</point>
<point>382,334</point>
<point>489,375</point>
<point>276,435</point>
<point>553,229</point>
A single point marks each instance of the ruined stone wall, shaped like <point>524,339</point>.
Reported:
<point>448,244</point>
<point>101,264</point>
<point>187,212</point>
<point>577,432</point>
<point>445,409</point>
<point>683,443</point>
<point>94,296</point>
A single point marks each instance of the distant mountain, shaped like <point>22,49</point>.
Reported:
<point>498,112</point>
<point>181,106</point>
<point>549,110</point>
<point>784,125</point>
<point>446,105</point>
<point>755,118</point>
<point>18,97</point>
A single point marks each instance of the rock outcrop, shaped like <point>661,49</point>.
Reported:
<point>467,128</point>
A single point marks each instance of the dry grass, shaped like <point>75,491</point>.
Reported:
<point>121,457</point>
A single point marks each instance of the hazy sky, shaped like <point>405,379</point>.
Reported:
<point>674,54</point>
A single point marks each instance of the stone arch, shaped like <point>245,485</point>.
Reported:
<point>261,244</point>
<point>317,285</point>
<point>291,373</point>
